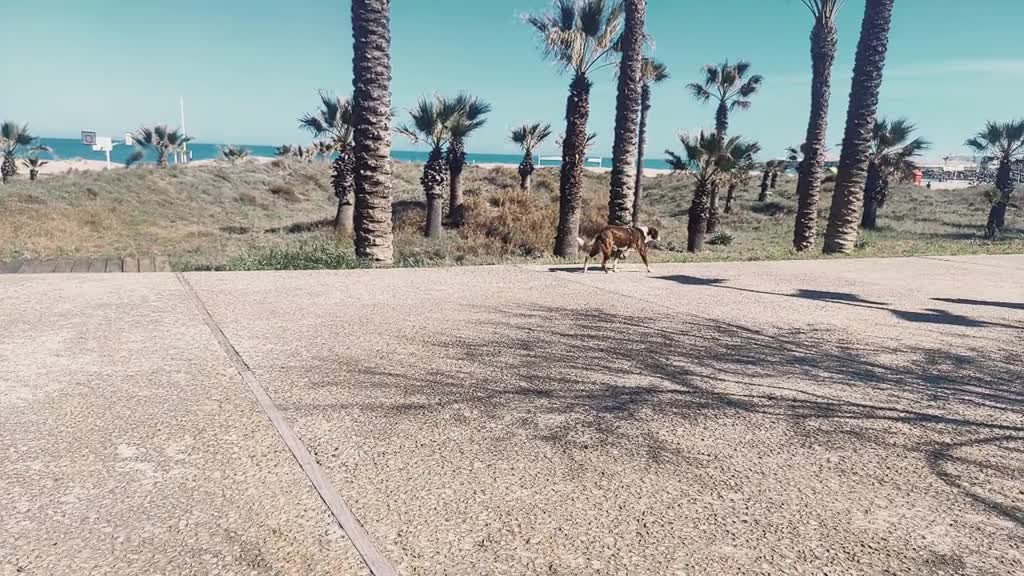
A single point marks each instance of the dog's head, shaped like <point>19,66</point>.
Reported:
<point>650,234</point>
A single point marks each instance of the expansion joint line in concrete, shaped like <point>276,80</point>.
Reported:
<point>375,561</point>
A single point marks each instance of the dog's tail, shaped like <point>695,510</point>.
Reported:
<point>596,248</point>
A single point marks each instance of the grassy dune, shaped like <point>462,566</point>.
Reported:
<point>277,215</point>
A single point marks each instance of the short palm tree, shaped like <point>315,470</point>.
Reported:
<point>824,40</point>
<point>529,137</point>
<point>869,63</point>
<point>622,194</point>
<point>739,174</point>
<point>284,151</point>
<point>653,72</point>
<point>162,140</point>
<point>578,35</point>
<point>892,156</point>
<point>1002,142</point>
<point>730,87</point>
<point>371,124</point>
<point>431,123</point>
<point>333,122</point>
<point>14,139</point>
<point>234,153</point>
<point>33,163</point>
<point>469,119</point>
<point>708,158</point>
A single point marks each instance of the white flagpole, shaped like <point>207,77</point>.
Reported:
<point>184,147</point>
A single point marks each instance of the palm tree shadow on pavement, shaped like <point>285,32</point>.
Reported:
<point>970,302</point>
<point>585,380</point>
<point>928,316</point>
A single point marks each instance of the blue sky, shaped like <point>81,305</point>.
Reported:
<point>249,68</point>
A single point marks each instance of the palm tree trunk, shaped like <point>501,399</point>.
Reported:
<point>9,169</point>
<point>775,179</point>
<point>872,197</point>
<point>698,219</point>
<point>765,177</point>
<point>627,116</point>
<point>526,169</point>
<point>997,214</point>
<point>730,196</point>
<point>847,200</point>
<point>371,122</point>
<point>342,180</point>
<point>641,144</point>
<point>824,40</point>
<point>456,163</point>
<point>721,120</point>
<point>574,147</point>
<point>714,216</point>
<point>33,174</point>
<point>434,175</point>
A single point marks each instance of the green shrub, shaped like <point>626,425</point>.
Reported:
<point>721,239</point>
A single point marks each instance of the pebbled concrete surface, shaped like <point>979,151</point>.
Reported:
<point>820,417</point>
<point>839,417</point>
<point>128,444</point>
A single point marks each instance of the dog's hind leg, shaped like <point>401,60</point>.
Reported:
<point>643,255</point>
<point>586,262</point>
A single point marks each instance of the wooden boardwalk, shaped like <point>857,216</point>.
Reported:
<point>85,265</point>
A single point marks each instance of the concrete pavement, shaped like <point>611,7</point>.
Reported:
<point>841,417</point>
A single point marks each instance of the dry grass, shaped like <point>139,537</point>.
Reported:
<point>277,215</point>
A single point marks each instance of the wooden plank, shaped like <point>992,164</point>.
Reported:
<point>11,267</point>
<point>81,265</point>
<point>64,265</point>
<point>146,264</point>
<point>114,265</point>
<point>38,266</point>
<point>97,265</point>
<point>162,264</point>
<point>129,265</point>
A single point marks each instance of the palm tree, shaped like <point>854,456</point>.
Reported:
<point>371,124</point>
<point>578,35</point>
<point>768,168</point>
<point>470,118</point>
<point>234,153</point>
<point>284,151</point>
<point>892,155</point>
<point>13,138</point>
<point>627,115</point>
<point>708,158</point>
<point>824,40</point>
<point>739,175</point>
<point>161,140</point>
<point>529,137</point>
<point>333,122</point>
<point>431,123</point>
<point>844,217</point>
<point>653,72</point>
<point>33,163</point>
<point>729,86</point>
<point>1002,141</point>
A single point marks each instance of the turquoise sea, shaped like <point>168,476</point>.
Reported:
<point>68,149</point>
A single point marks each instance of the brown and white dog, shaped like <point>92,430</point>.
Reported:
<point>616,242</point>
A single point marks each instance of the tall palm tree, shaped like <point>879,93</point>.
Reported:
<point>1002,141</point>
<point>371,125</point>
<point>892,155</point>
<point>529,137</point>
<point>739,174</point>
<point>728,85</point>
<point>708,158</point>
<point>470,118</point>
<point>578,35</point>
<point>333,122</point>
<point>627,115</point>
<point>653,72</point>
<point>431,123</point>
<point>824,40</point>
<point>848,197</point>
<point>33,163</point>
<point>14,138</point>
<point>162,140</point>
